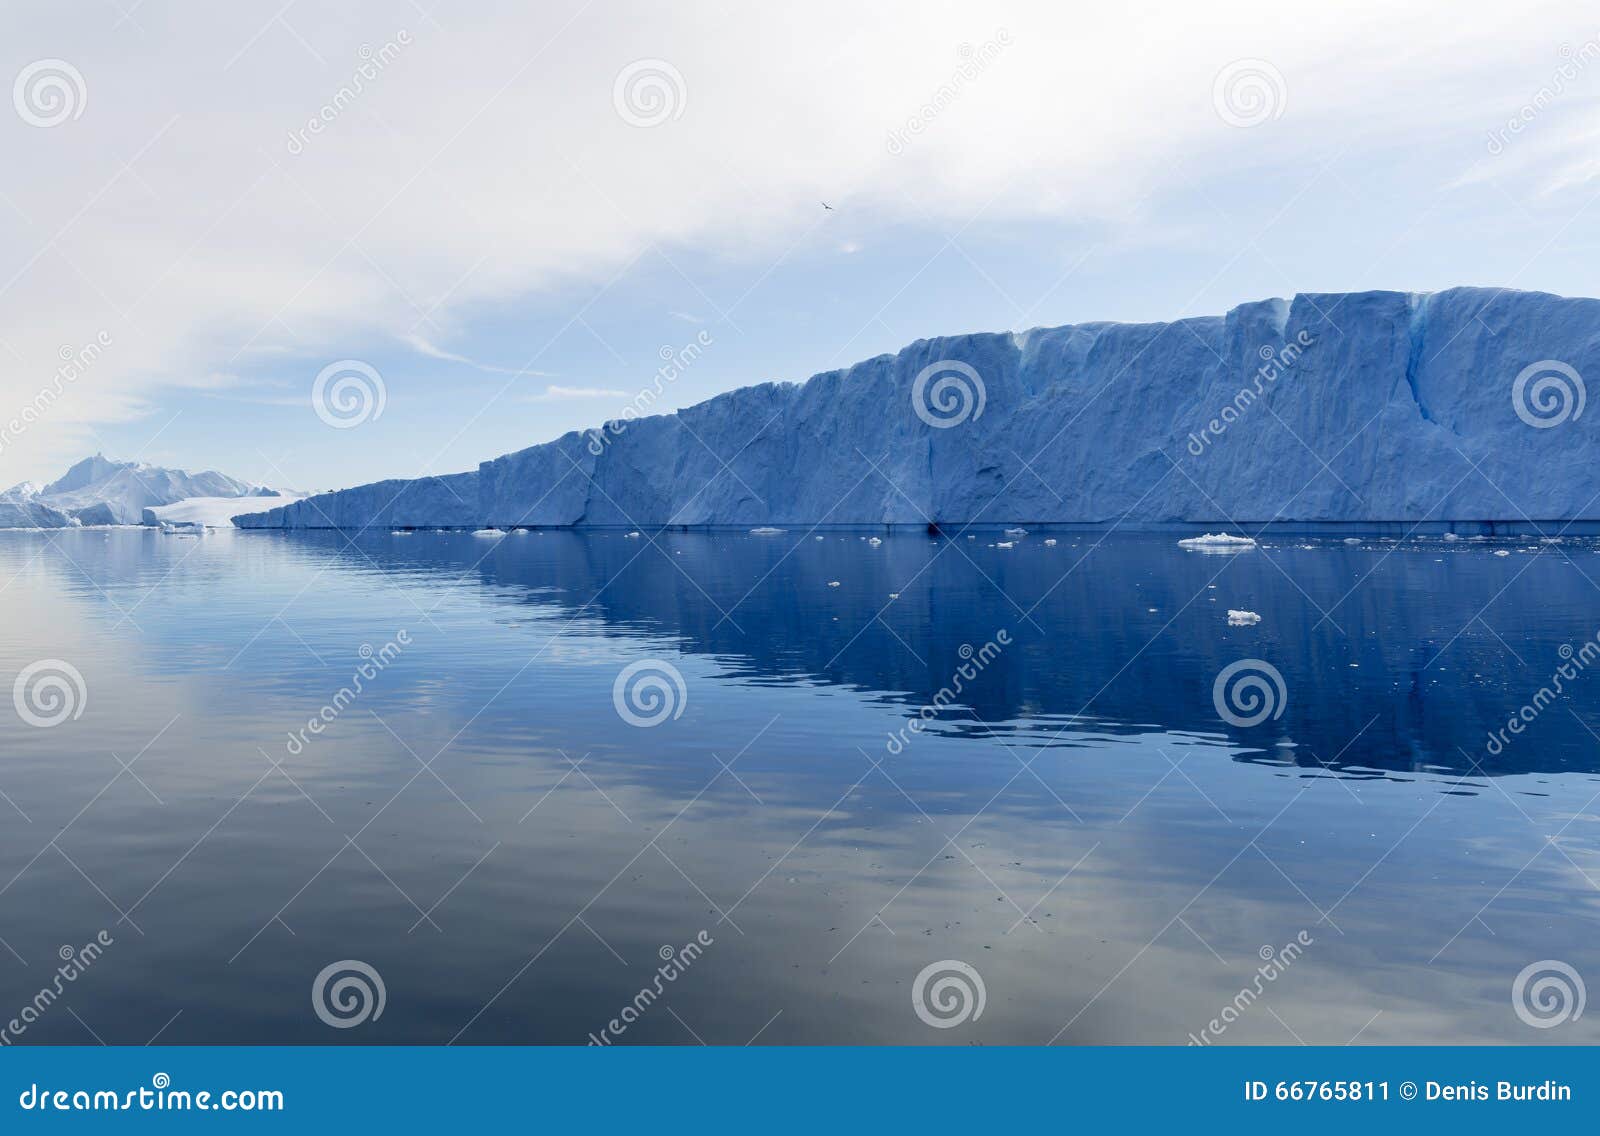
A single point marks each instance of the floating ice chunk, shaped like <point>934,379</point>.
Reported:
<point>493,534</point>
<point>1050,542</point>
<point>633,535</point>
<point>1452,536</point>
<point>1006,544</point>
<point>765,530</point>
<point>894,595</point>
<point>1016,532</point>
<point>399,532</point>
<point>1501,552</point>
<point>1352,540</point>
<point>1238,618</point>
<point>1218,540</point>
<point>833,583</point>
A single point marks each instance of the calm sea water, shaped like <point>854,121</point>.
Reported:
<point>570,753</point>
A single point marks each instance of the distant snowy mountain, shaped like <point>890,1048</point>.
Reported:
<point>98,491</point>
<point>1463,405</point>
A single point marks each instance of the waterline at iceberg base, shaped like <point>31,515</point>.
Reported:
<point>1461,408</point>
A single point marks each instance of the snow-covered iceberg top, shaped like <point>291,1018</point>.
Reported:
<point>1357,407</point>
<point>1217,540</point>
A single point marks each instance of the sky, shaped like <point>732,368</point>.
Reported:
<point>318,245</point>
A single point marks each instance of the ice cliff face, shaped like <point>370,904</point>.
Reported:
<point>98,491</point>
<point>1463,405</point>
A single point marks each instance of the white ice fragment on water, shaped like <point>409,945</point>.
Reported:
<point>1501,552</point>
<point>1050,542</point>
<point>1006,544</point>
<point>894,595</point>
<point>1238,618</point>
<point>765,530</point>
<point>874,541</point>
<point>1452,536</point>
<point>632,535</point>
<point>490,533</point>
<point>833,583</point>
<point>1218,540</point>
<point>1352,540</point>
<point>1016,532</point>
<point>400,532</point>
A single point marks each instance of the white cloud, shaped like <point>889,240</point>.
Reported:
<point>574,394</point>
<point>179,215</point>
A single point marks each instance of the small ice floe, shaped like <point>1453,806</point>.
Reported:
<point>874,542</point>
<point>833,583</point>
<point>1238,618</point>
<point>399,532</point>
<point>816,538</point>
<point>1549,540</point>
<point>971,537</point>
<point>1501,552</point>
<point>765,530</point>
<point>1352,540</point>
<point>1224,542</point>
<point>1006,544</point>
<point>635,535</point>
<point>894,595</point>
<point>1016,532</point>
<point>492,534</point>
<point>1050,542</point>
<point>1452,536</point>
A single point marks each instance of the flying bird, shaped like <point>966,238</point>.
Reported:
<point>828,207</point>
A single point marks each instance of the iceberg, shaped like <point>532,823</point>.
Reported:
<point>1375,407</point>
<point>1218,540</point>
<point>99,491</point>
<point>210,512</point>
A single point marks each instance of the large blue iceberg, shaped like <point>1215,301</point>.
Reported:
<point>1370,407</point>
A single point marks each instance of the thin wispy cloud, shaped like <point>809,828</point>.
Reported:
<point>573,394</point>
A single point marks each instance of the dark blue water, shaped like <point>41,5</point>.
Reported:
<point>1076,822</point>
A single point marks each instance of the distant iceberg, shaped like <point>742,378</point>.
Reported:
<point>99,491</point>
<point>1218,540</point>
<point>1374,407</point>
